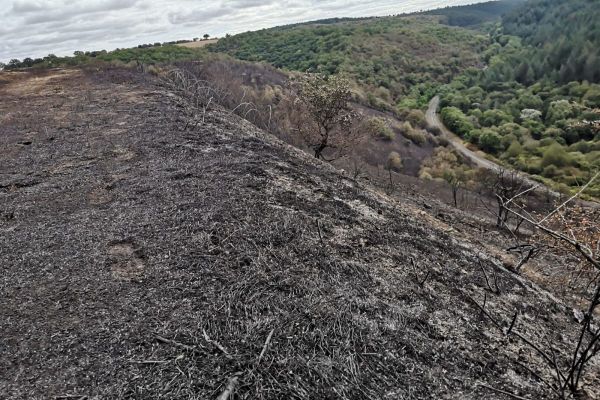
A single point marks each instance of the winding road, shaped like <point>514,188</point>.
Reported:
<point>434,120</point>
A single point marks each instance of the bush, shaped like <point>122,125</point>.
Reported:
<point>550,171</point>
<point>514,150</point>
<point>379,128</point>
<point>416,118</point>
<point>555,155</point>
<point>394,161</point>
<point>490,141</point>
<point>495,118</point>
<point>457,121</point>
<point>415,136</point>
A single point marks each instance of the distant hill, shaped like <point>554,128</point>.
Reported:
<point>475,15</point>
<point>391,59</point>
<point>567,34</point>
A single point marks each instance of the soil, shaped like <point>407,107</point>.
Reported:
<point>144,256</point>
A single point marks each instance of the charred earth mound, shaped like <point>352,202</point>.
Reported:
<point>146,253</point>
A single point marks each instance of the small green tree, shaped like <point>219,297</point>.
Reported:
<point>206,36</point>
<point>490,141</point>
<point>327,119</point>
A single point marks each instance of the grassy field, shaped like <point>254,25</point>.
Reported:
<point>198,44</point>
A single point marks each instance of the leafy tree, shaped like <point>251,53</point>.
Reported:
<point>514,150</point>
<point>560,109</point>
<point>329,118</point>
<point>495,118</point>
<point>457,121</point>
<point>490,141</point>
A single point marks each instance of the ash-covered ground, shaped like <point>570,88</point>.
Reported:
<point>148,255</point>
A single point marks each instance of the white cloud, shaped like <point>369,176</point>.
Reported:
<point>34,28</point>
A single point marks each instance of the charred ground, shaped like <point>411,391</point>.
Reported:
<point>144,260</point>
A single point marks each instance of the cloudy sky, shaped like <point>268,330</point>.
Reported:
<point>35,28</point>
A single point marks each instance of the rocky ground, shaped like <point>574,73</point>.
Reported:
<point>146,254</point>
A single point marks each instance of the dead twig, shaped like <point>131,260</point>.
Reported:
<point>495,290</point>
<point>512,323</point>
<point>514,396</point>
<point>422,283</point>
<point>174,343</point>
<point>216,344</point>
<point>150,362</point>
<point>264,349</point>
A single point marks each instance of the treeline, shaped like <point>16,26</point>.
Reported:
<point>476,15</point>
<point>564,35</point>
<point>144,54</point>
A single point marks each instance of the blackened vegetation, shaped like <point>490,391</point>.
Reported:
<point>153,261</point>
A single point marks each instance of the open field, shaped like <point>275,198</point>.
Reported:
<point>198,44</point>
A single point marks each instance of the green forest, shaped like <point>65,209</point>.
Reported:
<point>536,104</point>
<point>395,61</point>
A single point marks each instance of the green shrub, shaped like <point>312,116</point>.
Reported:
<point>514,150</point>
<point>490,141</point>
<point>457,121</point>
<point>582,147</point>
<point>550,171</point>
<point>379,128</point>
<point>495,118</point>
<point>474,136</point>
<point>555,155</point>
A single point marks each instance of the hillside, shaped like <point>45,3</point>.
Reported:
<point>393,59</point>
<point>147,257</point>
<point>566,34</point>
<point>476,15</point>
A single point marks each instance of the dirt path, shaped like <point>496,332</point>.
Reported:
<point>434,120</point>
<point>456,142</point>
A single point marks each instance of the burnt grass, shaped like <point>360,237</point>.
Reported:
<point>144,256</point>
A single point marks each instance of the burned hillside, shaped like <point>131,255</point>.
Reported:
<point>147,254</point>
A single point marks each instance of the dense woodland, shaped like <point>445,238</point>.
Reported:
<point>536,104</point>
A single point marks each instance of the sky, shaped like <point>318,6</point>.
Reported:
<point>36,28</point>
